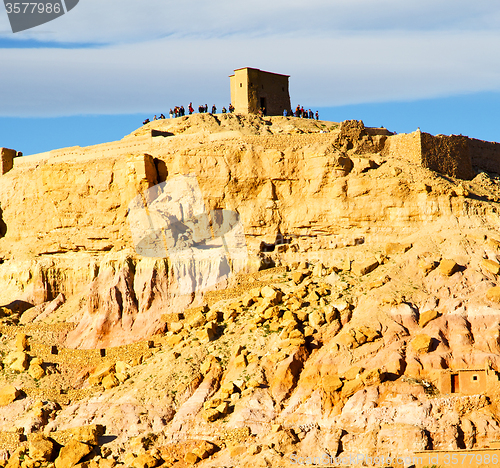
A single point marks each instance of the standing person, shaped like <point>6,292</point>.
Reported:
<point>285,113</point>
<point>317,115</point>
<point>297,111</point>
<point>183,111</point>
<point>231,108</point>
<point>190,108</point>
<point>154,118</point>
<point>206,109</point>
<point>171,114</point>
<point>214,109</point>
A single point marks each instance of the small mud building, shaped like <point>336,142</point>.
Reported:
<point>253,89</point>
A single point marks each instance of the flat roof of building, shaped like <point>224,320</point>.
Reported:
<point>258,69</point>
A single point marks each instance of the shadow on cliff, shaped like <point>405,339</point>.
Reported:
<point>3,226</point>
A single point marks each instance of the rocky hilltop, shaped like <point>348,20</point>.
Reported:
<point>366,320</point>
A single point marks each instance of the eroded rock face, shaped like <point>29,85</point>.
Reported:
<point>387,287</point>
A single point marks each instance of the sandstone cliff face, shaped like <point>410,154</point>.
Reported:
<point>62,210</point>
<point>388,285</point>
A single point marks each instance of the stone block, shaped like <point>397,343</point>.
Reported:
<point>331,383</point>
<point>421,343</point>
<point>427,316</point>
<point>448,267</point>
<point>8,394</point>
<point>40,448</point>
<point>72,453</point>
<point>493,294</point>
<point>7,159</point>
<point>365,267</point>
<point>491,266</point>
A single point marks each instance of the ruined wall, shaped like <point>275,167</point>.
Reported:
<point>453,155</point>
<point>447,155</point>
<point>6,159</point>
<point>485,155</point>
<point>406,146</point>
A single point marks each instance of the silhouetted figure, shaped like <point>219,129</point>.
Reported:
<point>146,122</point>
<point>214,109</point>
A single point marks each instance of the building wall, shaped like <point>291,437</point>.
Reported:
<point>466,384</point>
<point>6,159</point>
<point>447,155</point>
<point>250,85</point>
<point>452,155</point>
<point>485,155</point>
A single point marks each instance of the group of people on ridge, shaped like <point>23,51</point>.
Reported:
<point>302,113</point>
<point>179,111</point>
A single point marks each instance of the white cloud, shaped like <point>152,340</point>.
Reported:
<point>162,53</point>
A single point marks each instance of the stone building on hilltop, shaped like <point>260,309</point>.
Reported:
<point>253,89</point>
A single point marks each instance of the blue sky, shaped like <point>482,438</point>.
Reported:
<point>95,73</point>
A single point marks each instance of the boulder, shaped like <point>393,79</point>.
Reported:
<point>351,387</point>
<point>191,458</point>
<point>72,453</point>
<point>364,267</point>
<point>493,294</point>
<point>491,266</point>
<point>21,342</point>
<point>87,434</point>
<point>144,460</point>
<point>421,343</point>
<point>331,383</point>
<point>36,371</point>
<point>427,316</point>
<point>204,449</point>
<point>40,447</point>
<point>100,372</point>
<point>392,248</point>
<point>8,394</point>
<point>18,361</point>
<point>110,381</point>
<point>448,267</point>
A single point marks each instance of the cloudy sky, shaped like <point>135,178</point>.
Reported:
<point>385,59</point>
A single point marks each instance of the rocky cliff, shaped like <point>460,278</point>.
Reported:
<point>382,286</point>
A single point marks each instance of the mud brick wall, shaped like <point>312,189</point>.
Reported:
<point>447,155</point>
<point>485,155</point>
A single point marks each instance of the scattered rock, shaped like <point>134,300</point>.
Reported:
<point>72,453</point>
<point>427,316</point>
<point>448,267</point>
<point>8,394</point>
<point>421,343</point>
<point>40,447</point>
<point>365,267</point>
<point>491,266</point>
<point>493,294</point>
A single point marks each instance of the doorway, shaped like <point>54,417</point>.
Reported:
<point>455,388</point>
